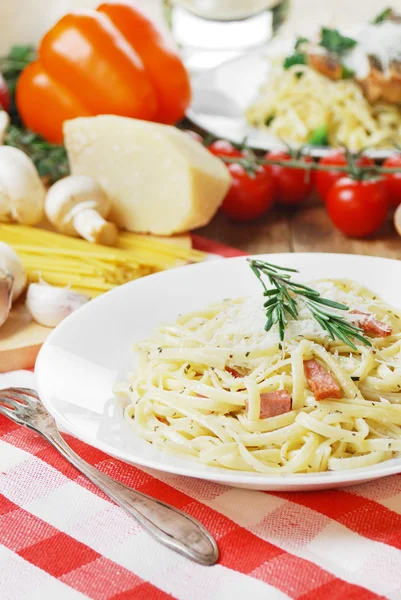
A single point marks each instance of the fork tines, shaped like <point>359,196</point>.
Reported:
<point>21,395</point>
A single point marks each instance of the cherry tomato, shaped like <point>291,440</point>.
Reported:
<point>393,180</point>
<point>250,195</point>
<point>224,148</point>
<point>194,135</point>
<point>326,179</point>
<point>4,94</point>
<point>358,208</point>
<point>293,186</point>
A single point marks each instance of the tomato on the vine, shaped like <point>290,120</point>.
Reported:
<point>358,208</point>
<point>223,148</point>
<point>393,180</point>
<point>250,195</point>
<point>293,186</point>
<point>4,94</point>
<point>326,179</point>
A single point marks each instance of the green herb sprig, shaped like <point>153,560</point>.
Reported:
<point>319,136</point>
<point>332,40</point>
<point>50,159</point>
<point>283,301</point>
<point>335,42</point>
<point>298,58</point>
<point>385,15</point>
<point>11,67</point>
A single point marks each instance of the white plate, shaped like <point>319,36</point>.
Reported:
<point>88,352</point>
<point>222,95</point>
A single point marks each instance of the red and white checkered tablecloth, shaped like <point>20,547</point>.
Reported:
<point>60,538</point>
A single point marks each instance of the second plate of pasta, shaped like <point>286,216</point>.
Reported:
<point>253,97</point>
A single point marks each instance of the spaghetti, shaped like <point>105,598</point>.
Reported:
<point>294,103</point>
<point>201,384</point>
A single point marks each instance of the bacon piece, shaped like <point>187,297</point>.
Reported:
<point>233,372</point>
<point>320,381</point>
<point>326,64</point>
<point>273,404</point>
<point>370,324</point>
<point>379,86</point>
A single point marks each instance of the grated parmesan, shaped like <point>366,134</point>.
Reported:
<point>241,322</point>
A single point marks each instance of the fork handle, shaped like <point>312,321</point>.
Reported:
<point>164,522</point>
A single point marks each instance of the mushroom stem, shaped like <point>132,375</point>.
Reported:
<point>92,227</point>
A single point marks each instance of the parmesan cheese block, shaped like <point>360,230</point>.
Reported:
<point>159,179</point>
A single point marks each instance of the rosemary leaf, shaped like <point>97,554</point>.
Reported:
<point>340,334</point>
<point>50,159</point>
<point>321,313</point>
<point>274,267</point>
<point>305,289</point>
<point>326,326</point>
<point>293,312</point>
<point>271,302</point>
<point>330,303</point>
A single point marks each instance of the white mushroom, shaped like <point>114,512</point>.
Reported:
<point>4,123</point>
<point>78,205</point>
<point>22,193</point>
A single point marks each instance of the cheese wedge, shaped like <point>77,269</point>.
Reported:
<point>159,179</point>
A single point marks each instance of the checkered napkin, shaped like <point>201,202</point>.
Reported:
<point>61,538</point>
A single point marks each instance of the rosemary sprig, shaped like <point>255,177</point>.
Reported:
<point>50,159</point>
<point>11,67</point>
<point>282,301</point>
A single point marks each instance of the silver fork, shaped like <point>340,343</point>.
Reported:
<point>171,527</point>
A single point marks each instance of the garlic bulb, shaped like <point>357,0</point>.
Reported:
<point>49,305</point>
<point>10,263</point>
<point>6,286</point>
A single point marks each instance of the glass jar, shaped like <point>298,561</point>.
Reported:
<point>212,31</point>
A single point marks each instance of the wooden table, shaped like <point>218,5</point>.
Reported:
<point>306,229</point>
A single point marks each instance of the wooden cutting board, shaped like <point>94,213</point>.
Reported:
<point>21,338</point>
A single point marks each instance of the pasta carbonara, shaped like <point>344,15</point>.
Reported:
<point>216,387</point>
<point>295,103</point>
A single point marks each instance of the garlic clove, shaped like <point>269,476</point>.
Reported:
<point>49,305</point>
<point>6,296</point>
<point>10,263</point>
